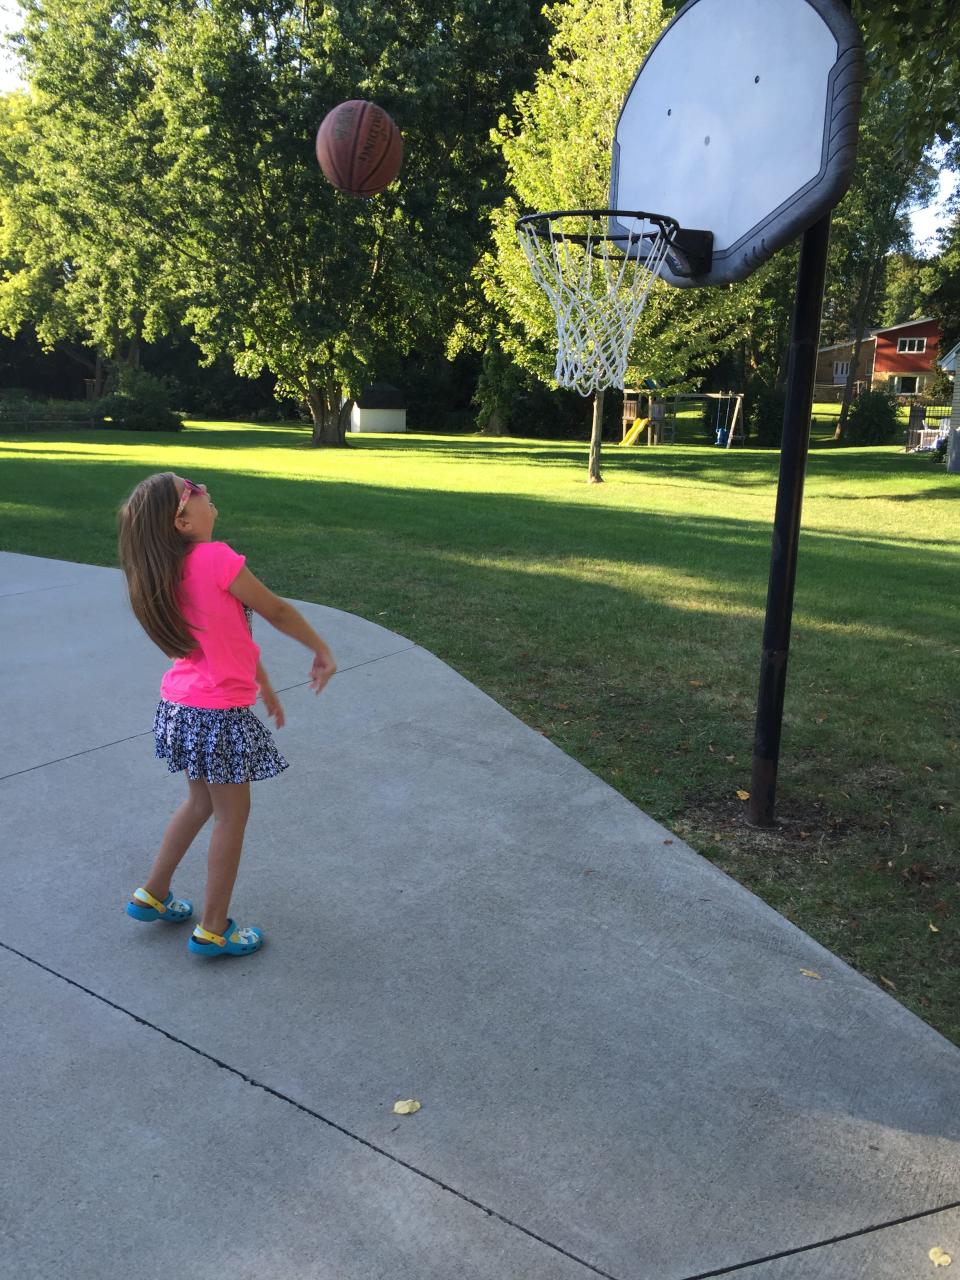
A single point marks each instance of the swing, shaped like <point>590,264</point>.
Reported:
<point>724,403</point>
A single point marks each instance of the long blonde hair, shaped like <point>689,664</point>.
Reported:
<point>152,551</point>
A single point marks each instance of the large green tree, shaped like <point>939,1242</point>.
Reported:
<point>557,144</point>
<point>187,131</point>
<point>872,220</point>
<point>78,157</point>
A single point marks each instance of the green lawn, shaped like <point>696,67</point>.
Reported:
<point>623,621</point>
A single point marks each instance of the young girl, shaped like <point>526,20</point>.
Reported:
<point>194,598</point>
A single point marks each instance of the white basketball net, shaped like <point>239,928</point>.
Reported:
<point>597,286</point>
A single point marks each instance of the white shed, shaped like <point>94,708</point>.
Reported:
<point>379,407</point>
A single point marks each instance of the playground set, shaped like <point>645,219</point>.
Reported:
<point>647,412</point>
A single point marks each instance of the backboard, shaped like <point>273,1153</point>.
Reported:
<point>742,122</point>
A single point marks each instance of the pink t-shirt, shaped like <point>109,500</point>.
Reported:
<point>221,671</point>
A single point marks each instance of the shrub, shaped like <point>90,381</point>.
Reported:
<point>873,420</point>
<point>18,410</point>
<point>140,402</point>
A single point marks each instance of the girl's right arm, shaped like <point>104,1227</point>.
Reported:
<point>282,615</point>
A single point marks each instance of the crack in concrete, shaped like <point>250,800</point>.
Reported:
<point>476,1204</point>
<point>146,733</point>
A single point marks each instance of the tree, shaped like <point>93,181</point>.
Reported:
<point>919,45</point>
<point>189,132</point>
<point>557,146</point>
<point>940,283</point>
<point>903,288</point>
<point>76,154</point>
<point>871,220</point>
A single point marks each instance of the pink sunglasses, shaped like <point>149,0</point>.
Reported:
<point>189,489</point>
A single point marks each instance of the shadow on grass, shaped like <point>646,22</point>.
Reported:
<point>889,583</point>
<point>739,467</point>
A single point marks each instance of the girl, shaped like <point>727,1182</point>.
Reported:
<point>195,598</point>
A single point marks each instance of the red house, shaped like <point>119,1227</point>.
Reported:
<point>906,355</point>
<point>903,357</point>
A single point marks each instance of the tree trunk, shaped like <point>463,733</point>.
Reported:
<point>133,351</point>
<point>493,425</point>
<point>593,474</point>
<point>328,416</point>
<point>860,317</point>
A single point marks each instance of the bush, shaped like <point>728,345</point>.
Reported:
<point>140,402</point>
<point>19,410</point>
<point>873,420</point>
<point>765,415</point>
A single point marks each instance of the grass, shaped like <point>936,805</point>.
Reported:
<point>623,621</point>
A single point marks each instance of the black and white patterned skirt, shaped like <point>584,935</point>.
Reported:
<point>227,744</point>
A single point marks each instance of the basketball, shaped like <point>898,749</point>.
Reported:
<point>359,148</point>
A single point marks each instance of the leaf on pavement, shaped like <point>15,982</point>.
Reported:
<point>939,1258</point>
<point>809,973</point>
<point>406,1107</point>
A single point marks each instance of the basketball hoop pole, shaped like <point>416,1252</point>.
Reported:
<point>801,371</point>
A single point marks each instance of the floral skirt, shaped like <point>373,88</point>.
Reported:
<point>227,744</point>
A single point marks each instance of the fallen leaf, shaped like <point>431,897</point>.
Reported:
<point>939,1258</point>
<point>406,1107</point>
<point>933,928</point>
<point>809,973</point>
<point>743,795</point>
<point>668,842</point>
<point>696,684</point>
<point>731,759</point>
<point>887,983</point>
<point>820,719</point>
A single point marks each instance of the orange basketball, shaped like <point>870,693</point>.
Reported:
<point>359,148</point>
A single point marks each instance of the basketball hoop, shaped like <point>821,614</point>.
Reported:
<point>597,281</point>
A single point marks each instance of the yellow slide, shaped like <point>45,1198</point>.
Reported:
<point>635,431</point>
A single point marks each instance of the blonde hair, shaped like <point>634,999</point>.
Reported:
<point>152,550</point>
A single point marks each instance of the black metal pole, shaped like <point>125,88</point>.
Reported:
<point>801,375</point>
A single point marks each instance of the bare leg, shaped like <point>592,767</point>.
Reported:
<point>181,831</point>
<point>231,808</point>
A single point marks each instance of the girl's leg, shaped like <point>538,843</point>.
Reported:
<point>181,831</point>
<point>231,808</point>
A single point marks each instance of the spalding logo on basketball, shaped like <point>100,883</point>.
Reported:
<point>359,148</point>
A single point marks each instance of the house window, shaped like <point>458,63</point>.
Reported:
<point>907,386</point>
<point>840,370</point>
<point>911,344</point>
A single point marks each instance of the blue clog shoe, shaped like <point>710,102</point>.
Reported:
<point>144,906</point>
<point>232,942</point>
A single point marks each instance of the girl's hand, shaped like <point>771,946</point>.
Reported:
<point>322,669</point>
<point>272,704</point>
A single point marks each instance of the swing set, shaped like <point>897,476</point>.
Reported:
<point>660,422</point>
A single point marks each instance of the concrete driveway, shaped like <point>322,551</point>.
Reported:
<point>622,1068</point>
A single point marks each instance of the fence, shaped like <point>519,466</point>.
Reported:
<point>832,392</point>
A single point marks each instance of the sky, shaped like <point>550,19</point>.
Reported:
<point>924,221</point>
